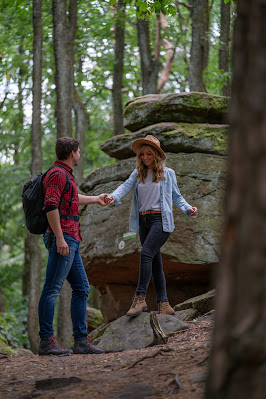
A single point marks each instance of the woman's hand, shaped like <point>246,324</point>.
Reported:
<point>193,211</point>
<point>109,199</point>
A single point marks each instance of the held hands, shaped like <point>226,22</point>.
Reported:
<point>193,211</point>
<point>105,199</point>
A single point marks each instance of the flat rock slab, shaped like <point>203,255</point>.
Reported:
<point>190,107</point>
<point>174,138</point>
<point>202,303</point>
<point>128,333</point>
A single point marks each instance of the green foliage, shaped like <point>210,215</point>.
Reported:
<point>13,327</point>
<point>149,7</point>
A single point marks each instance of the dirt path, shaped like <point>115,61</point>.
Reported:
<point>175,370</point>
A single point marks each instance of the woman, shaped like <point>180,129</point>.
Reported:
<point>155,189</point>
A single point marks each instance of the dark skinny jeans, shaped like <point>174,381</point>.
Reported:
<point>152,238</point>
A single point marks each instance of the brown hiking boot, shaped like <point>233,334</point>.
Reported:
<point>165,308</point>
<point>138,305</point>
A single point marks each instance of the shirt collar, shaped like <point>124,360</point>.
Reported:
<point>64,165</point>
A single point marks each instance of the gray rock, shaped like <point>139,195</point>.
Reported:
<point>111,256</point>
<point>202,303</point>
<point>186,314</point>
<point>128,333</point>
<point>174,137</point>
<point>190,107</point>
<point>201,179</point>
<point>94,319</point>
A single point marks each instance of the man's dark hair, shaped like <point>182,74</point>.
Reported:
<point>64,146</point>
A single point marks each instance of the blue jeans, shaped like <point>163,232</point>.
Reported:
<point>60,268</point>
<point>152,238</point>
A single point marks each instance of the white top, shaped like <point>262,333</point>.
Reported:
<point>149,194</point>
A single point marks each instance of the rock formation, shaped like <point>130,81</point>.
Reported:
<point>192,131</point>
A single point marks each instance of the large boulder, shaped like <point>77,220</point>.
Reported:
<point>190,107</point>
<point>111,254</point>
<point>128,333</point>
<point>174,137</point>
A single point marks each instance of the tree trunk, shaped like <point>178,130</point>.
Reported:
<point>224,43</point>
<point>32,244</point>
<point>63,77</point>
<point>64,323</point>
<point>81,127</point>
<point>238,360</point>
<point>170,53</point>
<point>199,51</point>
<point>2,302</point>
<point>64,40</point>
<point>32,247</point>
<point>118,108</point>
<point>149,67</point>
<point>78,106</point>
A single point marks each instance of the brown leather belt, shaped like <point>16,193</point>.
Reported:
<point>148,212</point>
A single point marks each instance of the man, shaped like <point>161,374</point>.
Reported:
<point>62,241</point>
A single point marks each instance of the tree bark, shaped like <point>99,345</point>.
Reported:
<point>224,43</point>
<point>149,66</point>
<point>2,302</point>
<point>199,51</point>
<point>170,53</point>
<point>63,76</point>
<point>118,108</point>
<point>32,247</point>
<point>82,119</point>
<point>238,360</point>
<point>64,323</point>
<point>64,42</point>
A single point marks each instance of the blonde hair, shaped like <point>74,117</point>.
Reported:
<point>158,170</point>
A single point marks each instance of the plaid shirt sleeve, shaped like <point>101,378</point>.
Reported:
<point>53,186</point>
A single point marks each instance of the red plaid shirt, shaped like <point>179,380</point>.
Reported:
<point>53,185</point>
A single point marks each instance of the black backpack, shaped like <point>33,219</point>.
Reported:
<point>33,203</point>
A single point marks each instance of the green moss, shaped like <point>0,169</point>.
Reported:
<point>4,348</point>
<point>197,131</point>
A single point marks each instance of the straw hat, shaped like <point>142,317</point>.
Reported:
<point>148,140</point>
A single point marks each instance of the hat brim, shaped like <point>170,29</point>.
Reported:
<point>135,145</point>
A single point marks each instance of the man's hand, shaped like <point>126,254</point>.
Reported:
<point>62,247</point>
<point>105,199</point>
<point>193,211</point>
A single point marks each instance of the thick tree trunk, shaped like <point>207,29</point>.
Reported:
<point>224,43</point>
<point>238,361</point>
<point>81,117</point>
<point>149,67</point>
<point>63,75</point>
<point>64,50</point>
<point>118,108</point>
<point>199,51</point>
<point>64,323</point>
<point>32,247</point>
<point>32,244</point>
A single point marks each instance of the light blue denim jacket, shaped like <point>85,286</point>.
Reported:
<point>169,193</point>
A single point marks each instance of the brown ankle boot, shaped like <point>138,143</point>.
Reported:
<point>138,305</point>
<point>165,308</point>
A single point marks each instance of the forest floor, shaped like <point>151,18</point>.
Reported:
<point>177,369</point>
